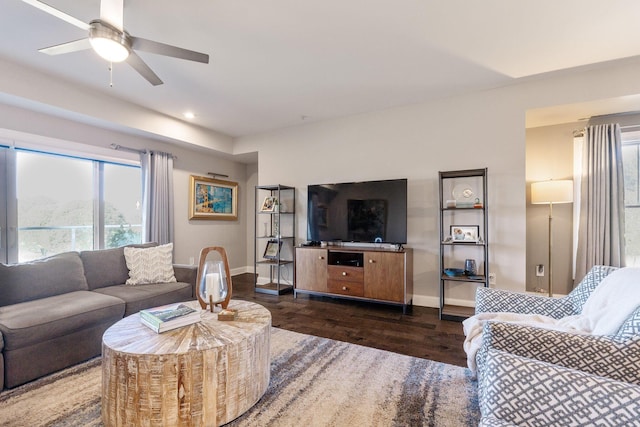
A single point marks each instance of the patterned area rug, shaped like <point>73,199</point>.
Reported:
<point>314,382</point>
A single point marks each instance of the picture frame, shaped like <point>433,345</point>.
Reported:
<point>272,249</point>
<point>269,204</point>
<point>212,199</point>
<point>465,233</point>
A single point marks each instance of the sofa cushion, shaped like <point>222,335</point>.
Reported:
<point>107,267</point>
<point>44,319</point>
<point>140,297</point>
<point>150,265</point>
<point>55,275</point>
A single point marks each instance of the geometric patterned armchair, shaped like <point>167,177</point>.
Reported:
<point>541,377</point>
<point>528,392</point>
<point>527,341</point>
<point>495,300</point>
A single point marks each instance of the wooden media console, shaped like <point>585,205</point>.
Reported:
<point>370,274</point>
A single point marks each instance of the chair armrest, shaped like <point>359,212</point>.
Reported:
<point>521,390</point>
<point>489,300</point>
<point>606,356</point>
<point>187,274</point>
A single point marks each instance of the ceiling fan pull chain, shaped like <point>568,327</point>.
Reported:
<point>110,74</point>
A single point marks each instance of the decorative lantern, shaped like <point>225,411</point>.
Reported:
<point>214,280</point>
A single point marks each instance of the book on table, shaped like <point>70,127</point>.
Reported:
<point>167,317</point>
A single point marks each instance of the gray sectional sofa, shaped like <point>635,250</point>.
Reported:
<point>54,311</point>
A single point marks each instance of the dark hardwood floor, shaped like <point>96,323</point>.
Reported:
<point>419,333</point>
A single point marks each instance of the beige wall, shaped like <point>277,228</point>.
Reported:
<point>415,142</point>
<point>549,154</point>
<point>193,235</point>
<point>485,129</point>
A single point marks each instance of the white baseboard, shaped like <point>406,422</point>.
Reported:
<point>261,280</point>
<point>426,301</point>
<point>434,302</point>
<point>240,270</point>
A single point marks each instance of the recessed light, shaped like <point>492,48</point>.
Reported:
<point>189,115</point>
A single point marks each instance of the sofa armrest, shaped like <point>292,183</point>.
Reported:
<point>531,392</point>
<point>187,274</point>
<point>489,300</point>
<point>615,358</point>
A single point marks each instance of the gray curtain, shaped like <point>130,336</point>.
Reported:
<point>601,223</point>
<point>157,196</point>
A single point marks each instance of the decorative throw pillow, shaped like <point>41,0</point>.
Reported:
<point>150,265</point>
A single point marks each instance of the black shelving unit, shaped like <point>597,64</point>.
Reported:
<point>463,205</point>
<point>274,227</point>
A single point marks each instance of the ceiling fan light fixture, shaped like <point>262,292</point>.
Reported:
<point>109,49</point>
<point>109,42</point>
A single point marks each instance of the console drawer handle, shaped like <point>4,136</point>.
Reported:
<point>371,261</point>
<point>344,273</point>
<point>320,257</point>
<point>344,288</point>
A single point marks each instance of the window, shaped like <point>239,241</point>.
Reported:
<point>630,164</point>
<point>55,204</point>
<point>67,203</point>
<point>123,205</point>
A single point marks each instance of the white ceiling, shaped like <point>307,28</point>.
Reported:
<point>277,63</point>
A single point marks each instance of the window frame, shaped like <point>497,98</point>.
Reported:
<point>630,138</point>
<point>9,231</point>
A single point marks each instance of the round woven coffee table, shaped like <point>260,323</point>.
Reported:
<point>204,374</point>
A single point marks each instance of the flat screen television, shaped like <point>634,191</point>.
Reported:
<point>364,212</point>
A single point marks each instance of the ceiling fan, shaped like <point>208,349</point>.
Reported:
<point>109,39</point>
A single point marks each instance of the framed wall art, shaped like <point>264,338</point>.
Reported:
<point>465,233</point>
<point>212,198</point>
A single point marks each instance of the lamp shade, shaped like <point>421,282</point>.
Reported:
<point>553,191</point>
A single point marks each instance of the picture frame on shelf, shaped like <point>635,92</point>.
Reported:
<point>465,233</point>
<point>272,250</point>
<point>212,199</point>
<point>269,204</point>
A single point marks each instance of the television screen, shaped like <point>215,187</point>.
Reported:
<point>368,212</point>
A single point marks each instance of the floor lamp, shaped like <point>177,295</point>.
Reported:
<point>550,192</point>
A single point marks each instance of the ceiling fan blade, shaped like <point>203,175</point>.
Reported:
<point>69,47</point>
<point>168,50</point>
<point>58,14</point>
<point>112,12</point>
<point>143,69</point>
